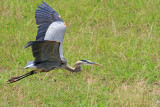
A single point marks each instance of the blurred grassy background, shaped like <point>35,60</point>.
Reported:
<point>123,35</point>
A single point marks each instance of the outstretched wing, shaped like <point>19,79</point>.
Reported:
<point>45,15</point>
<point>51,26</point>
<point>56,32</point>
<point>46,54</point>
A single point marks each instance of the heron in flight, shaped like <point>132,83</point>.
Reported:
<point>47,48</point>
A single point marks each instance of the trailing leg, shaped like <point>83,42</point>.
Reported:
<point>15,79</point>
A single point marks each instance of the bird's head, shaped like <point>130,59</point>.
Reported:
<point>86,62</point>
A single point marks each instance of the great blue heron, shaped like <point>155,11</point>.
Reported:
<point>47,49</point>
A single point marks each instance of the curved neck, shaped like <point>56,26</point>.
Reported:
<point>76,69</point>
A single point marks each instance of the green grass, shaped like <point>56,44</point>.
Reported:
<point>123,35</point>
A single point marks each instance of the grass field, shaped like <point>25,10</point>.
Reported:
<point>123,35</point>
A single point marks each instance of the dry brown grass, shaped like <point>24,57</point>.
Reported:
<point>138,94</point>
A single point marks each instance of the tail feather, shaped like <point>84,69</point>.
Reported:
<point>15,79</point>
<point>30,64</point>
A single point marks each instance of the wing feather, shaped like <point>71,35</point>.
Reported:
<point>56,32</point>
<point>46,54</point>
<point>50,25</point>
<point>45,15</point>
<point>44,50</point>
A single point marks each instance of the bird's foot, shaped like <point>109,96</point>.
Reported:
<point>13,79</point>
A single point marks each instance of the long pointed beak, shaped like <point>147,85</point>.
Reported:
<point>93,63</point>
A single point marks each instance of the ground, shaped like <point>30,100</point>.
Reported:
<point>123,35</point>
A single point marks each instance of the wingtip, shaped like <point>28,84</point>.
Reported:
<point>43,2</point>
<point>24,47</point>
